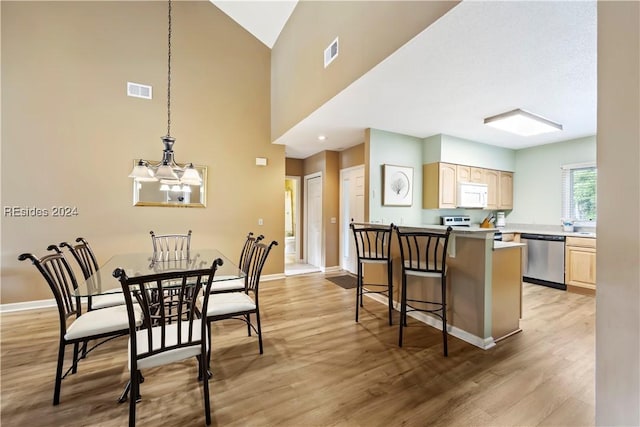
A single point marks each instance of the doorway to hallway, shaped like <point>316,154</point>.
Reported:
<point>294,262</point>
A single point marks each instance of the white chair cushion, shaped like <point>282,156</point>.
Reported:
<point>171,338</point>
<point>101,321</point>
<point>233,302</point>
<point>108,299</point>
<point>227,285</point>
<point>423,273</point>
<point>226,277</point>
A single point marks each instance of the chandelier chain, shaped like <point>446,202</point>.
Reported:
<point>169,75</point>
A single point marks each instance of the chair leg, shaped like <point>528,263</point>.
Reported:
<point>403,308</point>
<point>259,330</point>
<point>56,389</point>
<point>76,352</point>
<point>444,315</point>
<point>135,388</point>
<point>390,283</point>
<point>207,404</point>
<point>125,393</point>
<point>127,389</point>
<point>248,320</point>
<point>358,289</point>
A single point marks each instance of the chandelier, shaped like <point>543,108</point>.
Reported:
<point>167,171</point>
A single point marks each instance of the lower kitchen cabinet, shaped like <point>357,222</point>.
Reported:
<point>580,264</point>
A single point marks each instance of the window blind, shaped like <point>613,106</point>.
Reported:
<point>579,192</point>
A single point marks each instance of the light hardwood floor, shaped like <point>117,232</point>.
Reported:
<point>320,368</point>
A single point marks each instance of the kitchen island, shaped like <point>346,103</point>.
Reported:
<point>484,288</point>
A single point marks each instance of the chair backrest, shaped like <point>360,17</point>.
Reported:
<point>373,242</point>
<point>257,258</point>
<point>59,276</point>
<point>243,263</point>
<point>84,256</point>
<point>423,251</point>
<point>156,297</point>
<point>170,247</point>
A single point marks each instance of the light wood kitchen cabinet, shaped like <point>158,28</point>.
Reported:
<point>470,174</point>
<point>439,185</point>
<point>505,200</point>
<point>493,195</point>
<point>478,175</point>
<point>580,264</point>
<point>463,173</point>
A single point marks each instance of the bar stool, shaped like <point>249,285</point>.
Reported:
<point>373,246</point>
<point>424,255</point>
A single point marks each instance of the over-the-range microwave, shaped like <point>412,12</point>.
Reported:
<point>472,195</point>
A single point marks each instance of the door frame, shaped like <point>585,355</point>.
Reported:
<point>297,215</point>
<point>340,207</point>
<point>306,216</point>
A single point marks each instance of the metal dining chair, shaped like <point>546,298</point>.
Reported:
<point>423,254</point>
<point>168,334</point>
<point>86,260</point>
<point>170,247</point>
<point>238,284</point>
<point>241,305</point>
<point>373,246</point>
<point>77,328</point>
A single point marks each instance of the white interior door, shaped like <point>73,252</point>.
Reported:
<point>351,208</point>
<point>313,223</point>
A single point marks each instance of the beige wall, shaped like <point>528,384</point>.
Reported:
<point>351,157</point>
<point>70,133</point>
<point>329,163</point>
<point>618,268</point>
<point>369,31</point>
<point>294,167</point>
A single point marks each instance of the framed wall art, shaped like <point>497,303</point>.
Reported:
<point>397,185</point>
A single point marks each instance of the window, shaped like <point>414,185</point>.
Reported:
<point>579,193</point>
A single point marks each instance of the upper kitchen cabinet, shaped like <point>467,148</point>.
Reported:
<point>506,190</point>
<point>439,186</point>
<point>492,179</point>
<point>440,182</point>
<point>478,175</point>
<point>470,174</point>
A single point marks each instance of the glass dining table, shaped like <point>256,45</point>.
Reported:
<point>146,263</point>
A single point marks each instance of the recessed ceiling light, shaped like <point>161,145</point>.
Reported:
<point>522,123</point>
<point>322,137</point>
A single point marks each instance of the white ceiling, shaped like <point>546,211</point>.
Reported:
<point>262,18</point>
<point>481,59</point>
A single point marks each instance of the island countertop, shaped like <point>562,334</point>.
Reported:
<point>454,229</point>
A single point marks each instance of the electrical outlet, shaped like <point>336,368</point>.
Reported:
<point>260,221</point>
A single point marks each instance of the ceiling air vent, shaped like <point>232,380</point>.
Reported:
<point>138,90</point>
<point>331,53</point>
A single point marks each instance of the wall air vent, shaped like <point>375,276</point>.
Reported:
<point>138,90</point>
<point>331,53</point>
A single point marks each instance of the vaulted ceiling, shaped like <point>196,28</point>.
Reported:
<point>481,59</point>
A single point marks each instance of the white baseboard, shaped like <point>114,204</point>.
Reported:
<point>483,343</point>
<point>269,277</point>
<point>27,305</point>
<point>334,269</point>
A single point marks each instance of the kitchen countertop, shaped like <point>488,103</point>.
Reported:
<point>454,229</point>
<point>586,234</point>
<point>497,245</point>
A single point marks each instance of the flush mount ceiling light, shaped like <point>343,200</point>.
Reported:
<point>322,138</point>
<point>167,170</point>
<point>522,123</point>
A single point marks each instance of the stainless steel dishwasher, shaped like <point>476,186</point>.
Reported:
<point>543,260</point>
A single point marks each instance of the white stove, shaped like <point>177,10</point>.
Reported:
<point>456,220</point>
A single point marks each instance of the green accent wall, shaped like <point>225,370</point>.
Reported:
<point>537,182</point>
